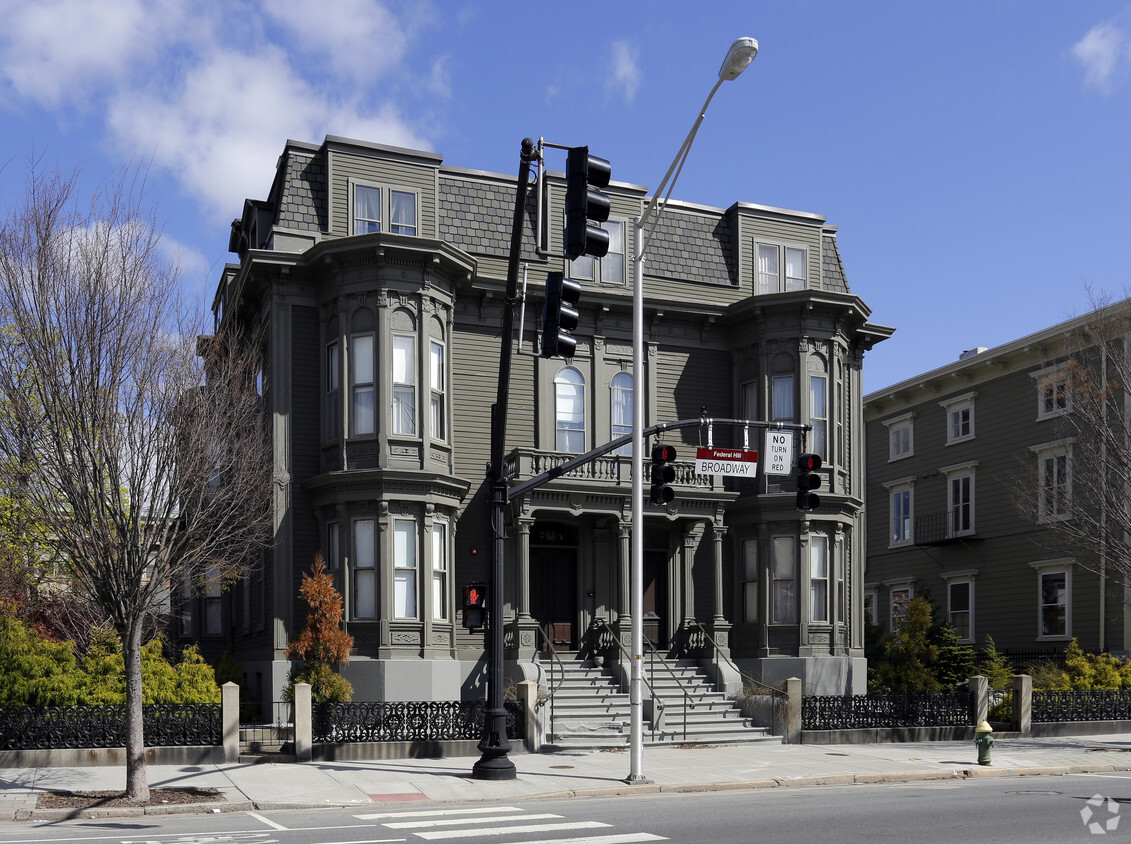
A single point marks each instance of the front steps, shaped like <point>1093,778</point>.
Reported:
<point>590,712</point>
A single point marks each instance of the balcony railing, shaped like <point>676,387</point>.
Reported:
<point>939,529</point>
<point>525,463</point>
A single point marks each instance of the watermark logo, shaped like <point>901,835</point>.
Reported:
<point>1100,815</point>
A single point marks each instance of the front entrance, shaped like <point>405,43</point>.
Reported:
<point>553,594</point>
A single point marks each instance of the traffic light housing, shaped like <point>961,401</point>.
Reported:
<point>663,474</point>
<point>585,206</point>
<point>807,481</point>
<point>474,606</point>
<point>559,319</point>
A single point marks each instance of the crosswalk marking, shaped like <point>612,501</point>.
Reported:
<point>419,824</point>
<point>436,813</point>
<point>510,830</point>
<point>614,838</point>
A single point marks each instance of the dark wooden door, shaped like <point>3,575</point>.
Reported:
<point>655,597</point>
<point>553,594</point>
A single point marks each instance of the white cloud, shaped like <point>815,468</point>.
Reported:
<point>626,76</point>
<point>1105,55</point>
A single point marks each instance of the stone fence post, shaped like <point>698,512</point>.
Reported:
<point>979,698</point>
<point>1022,704</point>
<point>230,719</point>
<point>528,694</point>
<point>793,711</point>
<point>303,723</point>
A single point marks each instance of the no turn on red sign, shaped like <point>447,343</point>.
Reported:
<point>736,462</point>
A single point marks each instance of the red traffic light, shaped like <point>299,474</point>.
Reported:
<point>809,462</point>
<point>663,453</point>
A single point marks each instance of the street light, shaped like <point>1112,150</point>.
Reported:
<point>740,54</point>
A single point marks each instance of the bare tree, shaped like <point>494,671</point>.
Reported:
<point>1078,488</point>
<point>145,458</point>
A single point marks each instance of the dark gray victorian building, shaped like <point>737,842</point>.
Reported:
<point>373,279</point>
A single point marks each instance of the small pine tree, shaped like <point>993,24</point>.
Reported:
<point>995,667</point>
<point>911,655</point>
<point>322,644</point>
<point>954,661</point>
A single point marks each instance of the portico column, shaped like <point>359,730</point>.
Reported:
<point>720,627</point>
<point>525,643</point>
<point>623,623</point>
<point>691,538</point>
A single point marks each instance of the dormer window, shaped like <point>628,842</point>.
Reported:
<point>374,203</point>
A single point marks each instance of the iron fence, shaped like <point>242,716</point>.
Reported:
<point>166,725</point>
<point>852,712</point>
<point>408,721</point>
<point>1091,705</point>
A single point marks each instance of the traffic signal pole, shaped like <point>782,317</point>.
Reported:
<point>495,764</point>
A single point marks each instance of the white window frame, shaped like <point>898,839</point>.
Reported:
<point>363,564</point>
<point>621,409</point>
<point>610,268</point>
<point>439,571</point>
<point>901,517</point>
<point>405,378</point>
<point>960,578</point>
<point>437,382</point>
<point>959,429</point>
<point>778,277</point>
<point>1054,394</point>
<point>405,556</point>
<point>750,581</point>
<point>901,436</point>
<point>959,511</point>
<point>213,604</point>
<point>333,545</point>
<point>386,204</point>
<point>1054,569</point>
<point>901,592</point>
<point>333,373</point>
<point>781,394</point>
<point>569,431</point>
<point>871,602</point>
<point>819,578</point>
<point>819,413</point>
<point>1054,495</point>
<point>783,573</point>
<point>361,386</point>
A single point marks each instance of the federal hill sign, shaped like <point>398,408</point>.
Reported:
<point>736,462</point>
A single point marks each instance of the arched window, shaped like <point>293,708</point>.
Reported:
<point>569,410</point>
<point>620,405</point>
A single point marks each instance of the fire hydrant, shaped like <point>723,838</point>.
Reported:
<point>984,738</point>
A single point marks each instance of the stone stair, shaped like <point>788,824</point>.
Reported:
<point>590,712</point>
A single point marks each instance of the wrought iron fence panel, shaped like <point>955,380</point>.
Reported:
<point>1080,705</point>
<point>407,721</point>
<point>854,712</point>
<point>70,727</point>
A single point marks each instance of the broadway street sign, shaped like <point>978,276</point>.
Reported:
<point>726,461</point>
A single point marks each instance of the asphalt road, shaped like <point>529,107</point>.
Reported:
<point>1030,809</point>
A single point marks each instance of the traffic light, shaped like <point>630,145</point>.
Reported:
<point>585,206</point>
<point>474,606</point>
<point>560,317</point>
<point>663,474</point>
<point>807,482</point>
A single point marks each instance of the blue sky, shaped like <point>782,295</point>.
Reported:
<point>974,155</point>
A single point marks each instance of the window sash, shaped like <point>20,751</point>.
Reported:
<point>404,565</point>
<point>437,383</point>
<point>819,413</point>
<point>782,399</point>
<point>365,576</point>
<point>901,516</point>
<point>1054,603</point>
<point>784,566</point>
<point>366,209</point>
<point>750,581</point>
<point>569,410</point>
<point>818,579</point>
<point>404,384</point>
<point>795,275</point>
<point>361,380</point>
<point>961,504</point>
<point>959,595</point>
<point>612,264</point>
<point>767,268</point>
<point>402,212</point>
<point>439,571</point>
<point>621,409</point>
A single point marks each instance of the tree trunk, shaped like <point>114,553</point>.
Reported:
<point>137,784</point>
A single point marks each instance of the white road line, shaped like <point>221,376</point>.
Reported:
<point>438,813</point>
<point>510,830</point>
<point>418,824</point>
<point>269,823</point>
<point>615,838</point>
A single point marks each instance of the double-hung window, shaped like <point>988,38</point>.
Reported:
<point>1053,395</point>
<point>819,413</point>
<point>901,436</point>
<point>372,204</point>
<point>404,384</point>
<point>569,410</point>
<point>750,581</point>
<point>1054,599</point>
<point>361,384</point>
<point>782,398</point>
<point>960,603</point>
<point>783,552</point>
<point>620,406</point>
<point>364,570</point>
<point>818,578</point>
<point>960,498</point>
<point>781,268</point>
<point>610,268</point>
<point>900,594</point>
<point>333,384</point>
<point>959,418</point>
<point>1054,479</point>
<point>436,376</point>
<point>901,503</point>
<point>439,571</point>
<point>404,564</point>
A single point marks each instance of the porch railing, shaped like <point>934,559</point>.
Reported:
<point>780,697</point>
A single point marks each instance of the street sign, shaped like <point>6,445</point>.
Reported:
<point>779,450</point>
<point>726,461</point>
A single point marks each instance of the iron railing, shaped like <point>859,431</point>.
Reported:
<point>80,726</point>
<point>409,721</point>
<point>657,702</point>
<point>777,695</point>
<point>1081,705</point>
<point>554,658</point>
<point>853,712</point>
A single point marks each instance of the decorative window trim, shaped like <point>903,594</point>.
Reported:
<point>784,581</point>
<point>899,423</point>
<point>749,572</point>
<point>895,586</point>
<point>385,220</point>
<point>604,270</point>
<point>1043,452</point>
<point>955,577</point>
<point>953,473</point>
<point>1052,376</point>
<point>818,581</point>
<point>782,260</point>
<point>956,404</point>
<point>894,488</point>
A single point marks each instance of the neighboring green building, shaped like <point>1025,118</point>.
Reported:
<point>373,278</point>
<point>969,466</point>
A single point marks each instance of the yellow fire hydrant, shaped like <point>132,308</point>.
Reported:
<point>984,738</point>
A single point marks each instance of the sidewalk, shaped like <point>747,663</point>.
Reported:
<point>582,773</point>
